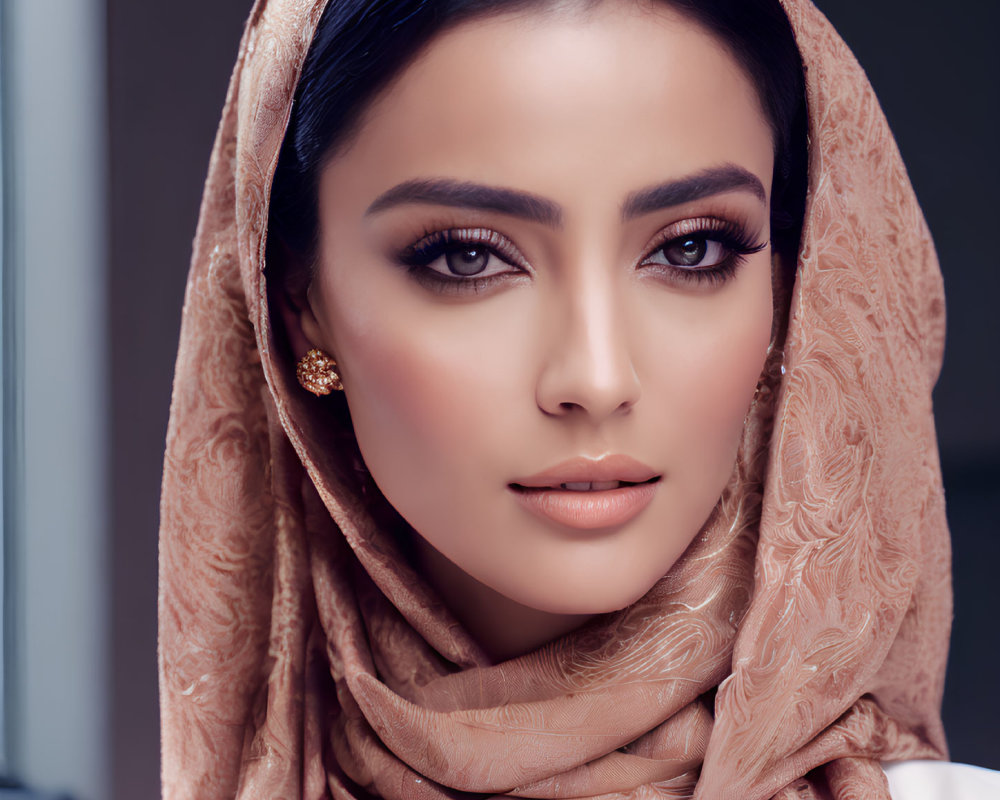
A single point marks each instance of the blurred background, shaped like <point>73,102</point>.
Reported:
<point>108,110</point>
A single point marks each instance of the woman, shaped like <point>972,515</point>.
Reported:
<point>516,557</point>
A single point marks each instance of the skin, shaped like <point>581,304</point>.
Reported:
<point>585,347</point>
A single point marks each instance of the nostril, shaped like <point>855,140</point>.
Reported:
<point>588,375</point>
<point>593,407</point>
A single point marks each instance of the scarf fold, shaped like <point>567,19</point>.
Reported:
<point>799,641</point>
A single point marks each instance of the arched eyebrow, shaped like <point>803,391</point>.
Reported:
<point>466,194</point>
<point>715,180</point>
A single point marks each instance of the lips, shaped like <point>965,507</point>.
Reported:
<point>589,494</point>
<point>590,486</point>
<point>618,468</point>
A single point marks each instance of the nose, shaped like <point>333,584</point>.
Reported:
<point>587,369</point>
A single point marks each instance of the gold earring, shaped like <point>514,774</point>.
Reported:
<point>316,373</point>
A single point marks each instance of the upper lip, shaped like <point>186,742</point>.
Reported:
<point>590,470</point>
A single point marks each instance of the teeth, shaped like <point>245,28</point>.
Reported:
<point>590,486</point>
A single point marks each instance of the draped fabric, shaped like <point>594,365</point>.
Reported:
<point>799,642</point>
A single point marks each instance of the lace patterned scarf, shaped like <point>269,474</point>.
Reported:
<point>799,642</point>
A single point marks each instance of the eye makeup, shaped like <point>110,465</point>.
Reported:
<point>703,251</point>
<point>458,260</point>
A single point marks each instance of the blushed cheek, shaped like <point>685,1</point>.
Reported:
<point>402,410</point>
<point>712,389</point>
<point>425,398</point>
<point>736,365</point>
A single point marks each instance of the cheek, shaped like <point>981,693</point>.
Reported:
<point>430,390</point>
<point>712,360</point>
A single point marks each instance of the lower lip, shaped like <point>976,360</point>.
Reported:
<point>588,510</point>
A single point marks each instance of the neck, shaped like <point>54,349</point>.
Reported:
<point>504,628</point>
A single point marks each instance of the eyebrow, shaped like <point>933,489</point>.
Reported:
<point>461,194</point>
<point>466,194</point>
<point>715,180</point>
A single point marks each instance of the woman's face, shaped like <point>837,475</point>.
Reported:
<point>544,272</point>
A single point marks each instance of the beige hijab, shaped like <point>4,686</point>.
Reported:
<point>799,642</point>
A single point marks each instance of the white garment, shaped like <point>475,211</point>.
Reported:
<point>940,780</point>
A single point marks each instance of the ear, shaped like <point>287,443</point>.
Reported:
<point>302,327</point>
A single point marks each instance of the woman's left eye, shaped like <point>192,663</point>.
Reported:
<point>690,252</point>
<point>701,250</point>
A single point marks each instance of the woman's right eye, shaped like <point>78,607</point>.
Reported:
<point>469,260</point>
<point>463,256</point>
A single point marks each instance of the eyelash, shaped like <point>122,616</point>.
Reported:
<point>434,244</point>
<point>735,238</point>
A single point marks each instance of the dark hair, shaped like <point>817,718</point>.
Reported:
<point>360,45</point>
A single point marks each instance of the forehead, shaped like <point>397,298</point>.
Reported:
<point>621,86</point>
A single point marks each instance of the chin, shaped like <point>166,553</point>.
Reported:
<point>599,596</point>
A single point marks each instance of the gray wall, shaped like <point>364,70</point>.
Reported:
<point>54,268</point>
<point>168,68</point>
<point>936,74</point>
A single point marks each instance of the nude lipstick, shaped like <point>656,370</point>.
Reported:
<point>588,494</point>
